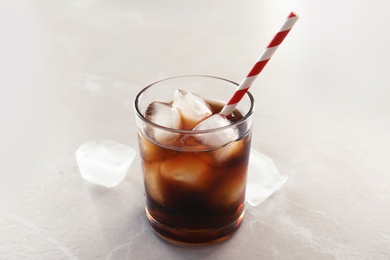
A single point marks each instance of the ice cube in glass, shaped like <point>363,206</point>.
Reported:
<point>163,114</point>
<point>192,107</point>
<point>216,139</point>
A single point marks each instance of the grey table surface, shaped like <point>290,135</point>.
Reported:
<point>69,74</point>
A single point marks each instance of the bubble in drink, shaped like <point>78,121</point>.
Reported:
<point>165,115</point>
<point>104,162</point>
<point>192,107</point>
<point>216,139</point>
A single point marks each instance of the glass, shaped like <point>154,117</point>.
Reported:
<point>195,193</point>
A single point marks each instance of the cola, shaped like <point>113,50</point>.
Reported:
<point>194,160</point>
<point>195,195</point>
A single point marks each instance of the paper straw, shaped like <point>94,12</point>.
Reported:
<point>260,64</point>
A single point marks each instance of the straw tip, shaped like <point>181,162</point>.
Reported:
<point>293,14</point>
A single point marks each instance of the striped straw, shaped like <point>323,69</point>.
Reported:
<point>260,64</point>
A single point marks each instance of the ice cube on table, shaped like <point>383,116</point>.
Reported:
<point>165,115</point>
<point>104,162</point>
<point>264,178</point>
<point>218,138</point>
<point>192,107</point>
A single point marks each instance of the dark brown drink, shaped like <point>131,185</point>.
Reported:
<point>194,160</point>
<point>195,196</point>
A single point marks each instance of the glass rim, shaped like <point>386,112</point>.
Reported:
<point>182,131</point>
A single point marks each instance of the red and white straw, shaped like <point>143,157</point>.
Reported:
<point>260,64</point>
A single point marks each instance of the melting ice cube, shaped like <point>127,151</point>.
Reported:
<point>104,162</point>
<point>263,178</point>
<point>219,138</point>
<point>192,107</point>
<point>165,115</point>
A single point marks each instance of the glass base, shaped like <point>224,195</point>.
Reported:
<point>194,237</point>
